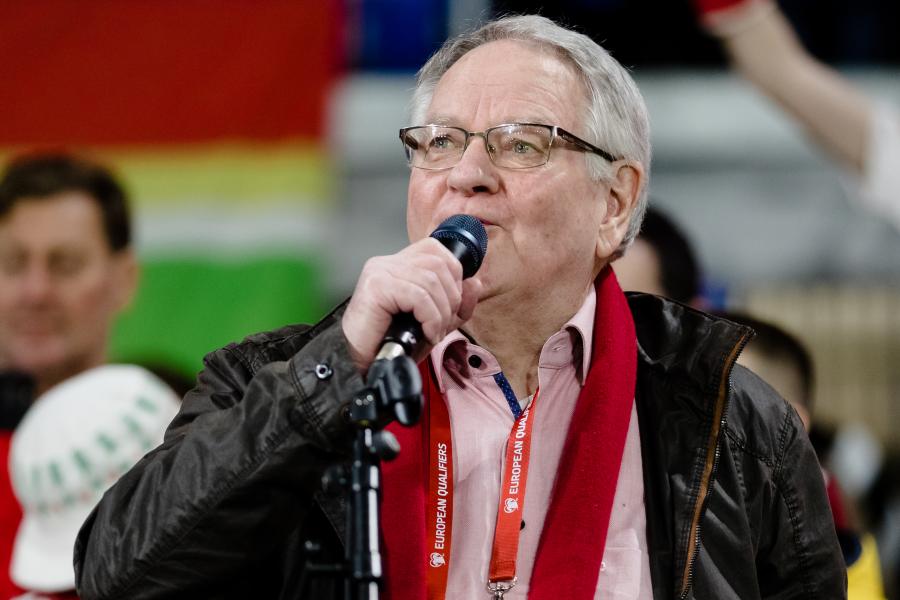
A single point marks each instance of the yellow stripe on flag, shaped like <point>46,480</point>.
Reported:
<point>225,173</point>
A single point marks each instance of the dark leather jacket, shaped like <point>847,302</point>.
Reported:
<point>735,501</point>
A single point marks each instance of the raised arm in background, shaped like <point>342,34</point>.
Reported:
<point>859,132</point>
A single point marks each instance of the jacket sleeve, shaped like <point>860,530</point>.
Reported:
<point>800,555</point>
<point>237,470</point>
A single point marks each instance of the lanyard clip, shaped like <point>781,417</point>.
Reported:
<point>497,589</point>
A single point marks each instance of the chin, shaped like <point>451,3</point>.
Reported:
<point>39,358</point>
<point>490,286</point>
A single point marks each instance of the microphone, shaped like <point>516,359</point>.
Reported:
<point>465,237</point>
<point>393,391</point>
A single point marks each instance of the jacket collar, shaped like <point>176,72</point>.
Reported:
<point>682,342</point>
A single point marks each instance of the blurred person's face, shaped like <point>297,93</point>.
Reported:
<point>638,270</point>
<point>60,286</point>
<point>781,375</point>
<point>550,223</point>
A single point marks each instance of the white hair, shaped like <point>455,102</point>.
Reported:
<point>616,119</point>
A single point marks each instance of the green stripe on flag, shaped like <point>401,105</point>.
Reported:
<point>187,307</point>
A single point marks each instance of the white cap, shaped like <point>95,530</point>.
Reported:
<point>76,440</point>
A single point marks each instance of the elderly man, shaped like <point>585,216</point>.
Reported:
<point>654,467</point>
<point>66,270</point>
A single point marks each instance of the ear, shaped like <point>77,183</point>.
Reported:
<point>127,274</point>
<point>619,200</point>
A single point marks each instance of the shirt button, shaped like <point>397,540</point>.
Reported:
<point>602,565</point>
<point>323,371</point>
<point>474,361</point>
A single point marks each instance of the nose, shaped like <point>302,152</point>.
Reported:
<point>37,284</point>
<point>474,173</point>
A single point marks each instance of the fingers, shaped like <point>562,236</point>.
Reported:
<point>423,279</point>
<point>471,293</point>
<point>426,282</point>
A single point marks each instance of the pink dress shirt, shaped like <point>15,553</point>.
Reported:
<point>481,420</point>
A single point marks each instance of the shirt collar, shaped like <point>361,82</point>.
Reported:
<point>449,355</point>
<point>582,324</point>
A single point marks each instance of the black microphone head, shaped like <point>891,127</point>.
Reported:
<point>464,235</point>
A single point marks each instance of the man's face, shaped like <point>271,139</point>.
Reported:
<point>60,285</point>
<point>544,223</point>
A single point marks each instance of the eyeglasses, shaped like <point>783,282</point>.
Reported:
<point>511,145</point>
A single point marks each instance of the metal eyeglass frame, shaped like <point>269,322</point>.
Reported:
<point>555,132</point>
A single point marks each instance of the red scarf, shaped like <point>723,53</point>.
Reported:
<point>574,535</point>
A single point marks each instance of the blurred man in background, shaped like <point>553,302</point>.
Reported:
<point>66,270</point>
<point>661,261</point>
<point>66,266</point>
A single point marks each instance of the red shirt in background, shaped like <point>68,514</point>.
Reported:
<point>10,515</point>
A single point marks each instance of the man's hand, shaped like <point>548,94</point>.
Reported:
<point>424,279</point>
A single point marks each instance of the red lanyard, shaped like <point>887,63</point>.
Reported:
<point>439,511</point>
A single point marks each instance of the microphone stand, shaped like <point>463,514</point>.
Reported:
<point>393,392</point>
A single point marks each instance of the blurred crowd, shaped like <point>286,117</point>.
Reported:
<point>862,134</point>
<point>71,423</point>
<point>662,261</point>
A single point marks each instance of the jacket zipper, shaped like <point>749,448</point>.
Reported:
<point>712,462</point>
